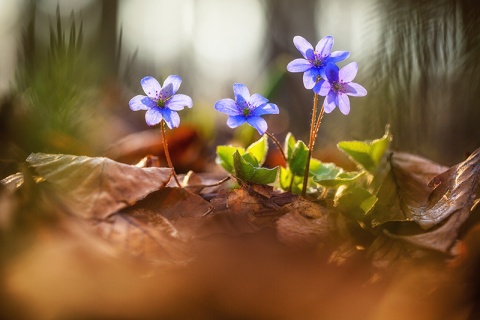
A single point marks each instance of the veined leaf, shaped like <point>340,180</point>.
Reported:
<point>97,187</point>
<point>259,149</point>
<point>245,171</point>
<point>367,154</point>
<point>289,145</point>
<point>355,201</point>
<point>225,156</point>
<point>298,159</point>
<point>285,178</point>
<point>331,176</point>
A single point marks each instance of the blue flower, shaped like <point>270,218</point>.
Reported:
<point>338,86</point>
<point>246,108</point>
<point>161,103</point>
<point>315,61</point>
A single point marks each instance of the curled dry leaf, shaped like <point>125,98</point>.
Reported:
<point>449,205</point>
<point>97,187</point>
<point>404,192</point>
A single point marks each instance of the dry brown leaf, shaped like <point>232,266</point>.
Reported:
<point>97,187</point>
<point>404,192</point>
<point>449,206</point>
<point>305,224</point>
<point>152,238</point>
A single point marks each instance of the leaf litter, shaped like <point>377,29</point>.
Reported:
<point>131,213</point>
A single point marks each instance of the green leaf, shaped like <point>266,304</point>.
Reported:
<point>225,156</point>
<point>298,159</point>
<point>246,171</point>
<point>355,201</point>
<point>331,176</point>
<point>248,157</point>
<point>259,149</point>
<point>243,169</point>
<point>264,175</point>
<point>367,154</point>
<point>289,145</point>
<point>285,178</point>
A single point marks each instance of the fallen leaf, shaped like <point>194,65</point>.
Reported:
<point>404,191</point>
<point>97,187</point>
<point>148,236</point>
<point>448,207</point>
<point>305,224</point>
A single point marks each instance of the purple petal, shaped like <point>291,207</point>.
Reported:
<point>242,91</point>
<point>330,102</point>
<point>348,72</point>
<point>151,87</point>
<point>337,56</point>
<point>178,102</point>
<point>153,116</point>
<point>343,103</point>
<point>227,106</point>
<point>355,90</point>
<point>303,46</point>
<point>299,65</point>
<point>258,123</point>
<point>137,103</point>
<point>172,119</point>
<point>324,46</point>
<point>324,88</point>
<point>175,81</point>
<point>331,72</point>
<point>256,100</point>
<point>235,121</point>
<point>318,86</point>
<point>310,78</point>
<point>268,108</point>
<point>170,87</point>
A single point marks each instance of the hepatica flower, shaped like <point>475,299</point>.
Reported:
<point>161,103</point>
<point>315,60</point>
<point>338,86</point>
<point>246,108</point>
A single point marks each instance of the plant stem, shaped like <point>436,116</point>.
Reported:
<point>317,125</point>
<point>167,154</point>
<point>279,146</point>
<point>310,144</point>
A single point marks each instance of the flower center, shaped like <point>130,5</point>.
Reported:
<point>319,60</point>
<point>338,87</point>
<point>161,103</point>
<point>246,111</point>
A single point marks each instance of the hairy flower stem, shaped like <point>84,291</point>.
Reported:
<point>277,143</point>
<point>313,135</point>
<point>167,154</point>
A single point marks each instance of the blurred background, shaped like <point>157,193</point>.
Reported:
<point>68,69</point>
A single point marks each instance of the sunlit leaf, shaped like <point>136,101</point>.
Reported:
<point>289,145</point>
<point>97,187</point>
<point>367,154</point>
<point>225,156</point>
<point>245,171</point>
<point>331,176</point>
<point>259,149</point>
<point>285,178</point>
<point>298,159</point>
<point>354,201</point>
